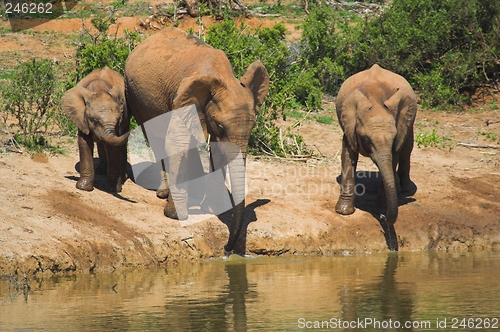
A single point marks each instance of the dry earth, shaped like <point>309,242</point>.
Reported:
<point>48,226</point>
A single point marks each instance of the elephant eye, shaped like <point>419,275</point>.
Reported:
<point>366,141</point>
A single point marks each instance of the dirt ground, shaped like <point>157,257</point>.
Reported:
<point>48,226</point>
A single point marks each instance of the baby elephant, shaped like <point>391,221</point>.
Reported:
<point>97,106</point>
<point>376,109</point>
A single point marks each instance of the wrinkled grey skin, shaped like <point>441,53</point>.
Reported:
<point>97,106</point>
<point>376,109</point>
<point>172,69</point>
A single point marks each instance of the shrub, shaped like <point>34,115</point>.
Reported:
<point>455,43</point>
<point>31,98</point>
<point>432,139</point>
<point>95,52</point>
<point>443,48</point>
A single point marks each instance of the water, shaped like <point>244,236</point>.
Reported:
<point>379,291</point>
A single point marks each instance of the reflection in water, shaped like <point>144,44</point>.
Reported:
<point>384,300</point>
<point>226,311</point>
<point>260,294</point>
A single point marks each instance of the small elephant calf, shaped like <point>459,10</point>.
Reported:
<point>376,109</point>
<point>97,106</point>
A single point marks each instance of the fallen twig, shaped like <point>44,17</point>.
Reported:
<point>303,158</point>
<point>298,122</point>
<point>319,151</point>
<point>481,146</point>
<point>488,122</point>
<point>265,15</point>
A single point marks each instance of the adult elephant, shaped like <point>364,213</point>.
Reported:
<point>171,70</point>
<point>97,106</point>
<point>376,109</point>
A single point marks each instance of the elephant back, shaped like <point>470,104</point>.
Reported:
<point>157,66</point>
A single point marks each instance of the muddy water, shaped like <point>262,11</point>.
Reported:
<point>420,291</point>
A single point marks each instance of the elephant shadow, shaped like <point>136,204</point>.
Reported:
<point>249,215</point>
<point>101,181</point>
<point>368,199</point>
<point>367,193</point>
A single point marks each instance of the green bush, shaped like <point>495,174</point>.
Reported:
<point>328,37</point>
<point>307,90</point>
<point>432,139</point>
<point>95,52</point>
<point>30,99</point>
<point>455,43</point>
<point>443,48</point>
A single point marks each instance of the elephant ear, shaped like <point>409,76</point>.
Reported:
<point>117,94</point>
<point>198,90</point>
<point>256,79</point>
<point>73,104</point>
<point>347,113</point>
<point>403,103</point>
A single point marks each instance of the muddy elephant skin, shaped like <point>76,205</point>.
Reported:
<point>97,106</point>
<point>171,70</point>
<point>376,109</point>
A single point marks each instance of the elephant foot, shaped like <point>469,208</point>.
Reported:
<point>163,190</point>
<point>162,193</point>
<point>345,206</point>
<point>171,212</point>
<point>114,186</point>
<point>85,184</point>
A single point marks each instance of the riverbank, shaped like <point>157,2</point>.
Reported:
<point>48,226</point>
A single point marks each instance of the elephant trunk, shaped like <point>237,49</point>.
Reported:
<point>109,137</point>
<point>236,157</point>
<point>385,167</point>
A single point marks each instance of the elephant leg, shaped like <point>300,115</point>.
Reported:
<point>345,204</point>
<point>116,166</point>
<point>176,207</point>
<point>101,151</point>
<point>86,150</point>
<point>177,145</point>
<point>163,191</point>
<point>404,164</point>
